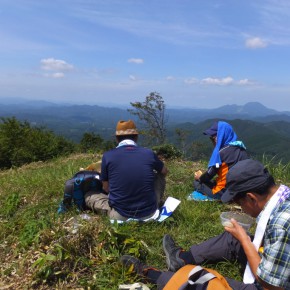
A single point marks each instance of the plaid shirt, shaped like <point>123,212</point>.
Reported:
<point>274,267</point>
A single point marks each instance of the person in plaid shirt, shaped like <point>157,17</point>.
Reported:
<point>265,257</point>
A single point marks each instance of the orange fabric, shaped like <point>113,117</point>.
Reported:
<point>181,276</point>
<point>221,178</point>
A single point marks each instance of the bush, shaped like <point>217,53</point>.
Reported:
<point>91,142</point>
<point>21,144</point>
<point>167,151</point>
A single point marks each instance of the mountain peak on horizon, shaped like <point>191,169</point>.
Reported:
<point>257,108</point>
<point>250,108</point>
<point>255,105</point>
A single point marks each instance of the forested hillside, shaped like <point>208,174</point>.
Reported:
<point>264,131</point>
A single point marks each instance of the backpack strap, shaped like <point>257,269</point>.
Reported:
<point>179,278</point>
<point>196,277</point>
<point>203,279</point>
<point>69,187</point>
<point>67,197</point>
<point>195,270</point>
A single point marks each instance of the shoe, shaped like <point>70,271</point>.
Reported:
<point>172,252</point>
<point>138,267</point>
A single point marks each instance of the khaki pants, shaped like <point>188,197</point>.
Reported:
<point>99,202</point>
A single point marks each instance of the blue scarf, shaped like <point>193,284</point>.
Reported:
<point>225,136</point>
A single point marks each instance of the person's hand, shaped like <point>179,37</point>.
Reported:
<point>197,174</point>
<point>237,231</point>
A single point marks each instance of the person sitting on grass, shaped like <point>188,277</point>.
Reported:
<point>227,152</point>
<point>266,258</point>
<point>133,177</point>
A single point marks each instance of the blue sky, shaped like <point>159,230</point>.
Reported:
<point>195,53</point>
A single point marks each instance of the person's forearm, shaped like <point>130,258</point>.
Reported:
<point>106,186</point>
<point>164,170</point>
<point>251,253</point>
<point>207,176</point>
<point>266,286</point>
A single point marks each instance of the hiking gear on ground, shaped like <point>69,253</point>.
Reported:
<point>191,277</point>
<point>172,252</point>
<point>76,187</point>
<point>198,196</point>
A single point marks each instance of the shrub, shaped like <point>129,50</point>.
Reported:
<point>21,144</point>
<point>167,151</point>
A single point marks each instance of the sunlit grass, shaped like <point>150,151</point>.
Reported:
<point>38,249</point>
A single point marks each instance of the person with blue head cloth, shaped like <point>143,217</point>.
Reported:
<point>226,153</point>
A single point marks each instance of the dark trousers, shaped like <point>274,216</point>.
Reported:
<point>206,190</point>
<point>220,248</point>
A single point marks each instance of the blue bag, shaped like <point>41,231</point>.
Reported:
<point>76,187</point>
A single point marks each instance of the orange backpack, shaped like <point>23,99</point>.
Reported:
<point>191,277</point>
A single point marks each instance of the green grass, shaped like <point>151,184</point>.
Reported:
<point>39,251</point>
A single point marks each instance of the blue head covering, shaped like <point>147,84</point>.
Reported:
<point>225,136</point>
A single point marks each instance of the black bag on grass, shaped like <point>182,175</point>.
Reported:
<point>76,187</point>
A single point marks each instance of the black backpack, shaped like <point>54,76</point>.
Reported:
<point>76,187</point>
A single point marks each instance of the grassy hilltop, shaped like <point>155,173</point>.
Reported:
<point>39,250</point>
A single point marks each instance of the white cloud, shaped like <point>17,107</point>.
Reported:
<point>191,81</point>
<point>170,78</point>
<point>132,78</point>
<point>244,82</point>
<point>136,60</point>
<point>55,64</point>
<point>218,81</point>
<point>58,75</point>
<point>255,42</point>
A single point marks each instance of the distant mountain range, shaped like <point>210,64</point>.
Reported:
<point>264,130</point>
<point>249,111</point>
<point>103,119</point>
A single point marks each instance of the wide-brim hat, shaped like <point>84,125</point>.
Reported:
<point>126,128</point>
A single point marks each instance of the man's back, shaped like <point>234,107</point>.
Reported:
<point>129,171</point>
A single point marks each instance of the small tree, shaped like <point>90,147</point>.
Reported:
<point>182,136</point>
<point>91,142</point>
<point>152,113</point>
<point>197,151</point>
